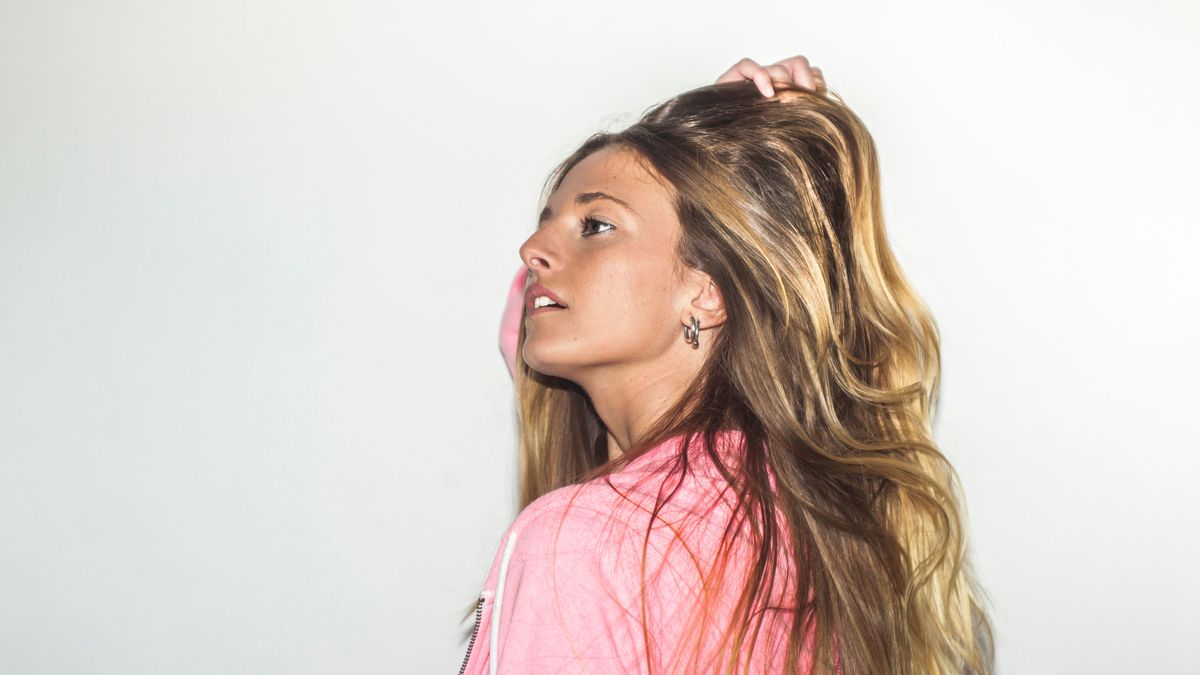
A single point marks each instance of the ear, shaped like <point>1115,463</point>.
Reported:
<point>704,300</point>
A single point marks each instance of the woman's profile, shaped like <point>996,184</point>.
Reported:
<point>725,388</point>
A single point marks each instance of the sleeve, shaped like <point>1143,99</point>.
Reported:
<point>510,321</point>
<point>571,601</point>
<point>555,614</point>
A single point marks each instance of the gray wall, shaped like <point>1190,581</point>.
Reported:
<point>253,418</point>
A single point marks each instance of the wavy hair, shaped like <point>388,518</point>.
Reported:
<point>829,364</point>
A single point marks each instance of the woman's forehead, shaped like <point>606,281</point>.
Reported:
<point>615,174</point>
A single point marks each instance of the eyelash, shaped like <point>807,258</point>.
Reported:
<point>595,221</point>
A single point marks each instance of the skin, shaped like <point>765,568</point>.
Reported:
<point>792,70</point>
<point>628,295</point>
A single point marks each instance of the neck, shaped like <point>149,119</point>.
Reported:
<point>629,402</point>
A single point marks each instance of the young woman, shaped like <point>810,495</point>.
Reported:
<point>725,395</point>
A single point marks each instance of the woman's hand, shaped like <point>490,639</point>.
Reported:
<point>794,70</point>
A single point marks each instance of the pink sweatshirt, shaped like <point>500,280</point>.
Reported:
<point>562,594</point>
<point>510,320</point>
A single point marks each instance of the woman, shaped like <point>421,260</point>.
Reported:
<point>725,399</point>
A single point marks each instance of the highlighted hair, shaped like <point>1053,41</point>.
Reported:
<point>829,364</point>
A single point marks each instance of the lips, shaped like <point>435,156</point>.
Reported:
<point>538,289</point>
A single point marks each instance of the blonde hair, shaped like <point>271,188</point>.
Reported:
<point>829,364</point>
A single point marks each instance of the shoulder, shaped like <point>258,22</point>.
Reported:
<point>563,519</point>
<point>568,587</point>
<point>653,504</point>
<point>623,529</point>
<point>626,499</point>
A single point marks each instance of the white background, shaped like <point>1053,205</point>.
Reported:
<point>253,255</point>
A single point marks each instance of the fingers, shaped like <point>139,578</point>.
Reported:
<point>819,78</point>
<point>779,73</point>
<point>792,70</point>
<point>747,69</point>
<point>800,70</point>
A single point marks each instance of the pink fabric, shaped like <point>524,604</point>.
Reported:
<point>562,593</point>
<point>510,321</point>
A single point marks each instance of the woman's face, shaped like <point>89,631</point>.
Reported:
<point>613,266</point>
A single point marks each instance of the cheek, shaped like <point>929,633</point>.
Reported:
<point>631,295</point>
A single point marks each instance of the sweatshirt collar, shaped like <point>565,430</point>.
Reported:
<point>728,445</point>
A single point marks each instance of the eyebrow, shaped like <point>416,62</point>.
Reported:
<point>587,198</point>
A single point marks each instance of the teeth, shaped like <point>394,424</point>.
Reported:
<point>543,301</point>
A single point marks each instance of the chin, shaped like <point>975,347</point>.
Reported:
<point>546,362</point>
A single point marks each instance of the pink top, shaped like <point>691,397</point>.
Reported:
<point>563,592</point>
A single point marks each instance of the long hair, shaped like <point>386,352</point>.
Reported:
<point>829,364</point>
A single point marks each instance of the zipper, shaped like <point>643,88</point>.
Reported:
<point>474,631</point>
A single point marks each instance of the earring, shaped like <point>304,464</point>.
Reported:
<point>691,334</point>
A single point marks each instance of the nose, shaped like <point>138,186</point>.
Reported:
<point>536,253</point>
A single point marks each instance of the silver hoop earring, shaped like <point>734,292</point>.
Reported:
<point>691,334</point>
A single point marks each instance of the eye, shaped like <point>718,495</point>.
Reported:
<point>589,222</point>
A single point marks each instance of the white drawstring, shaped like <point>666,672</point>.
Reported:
<point>494,646</point>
